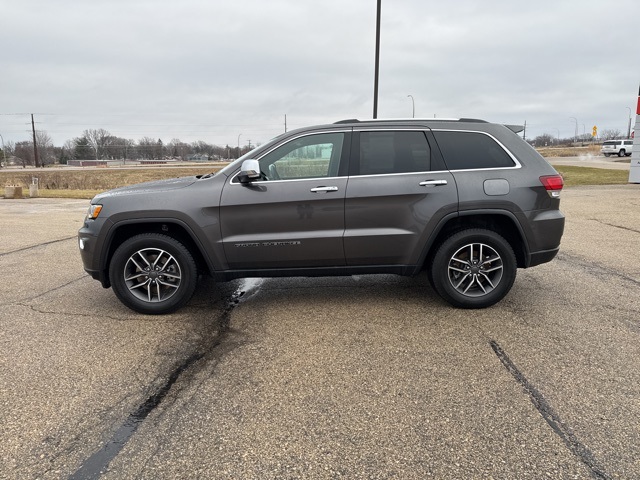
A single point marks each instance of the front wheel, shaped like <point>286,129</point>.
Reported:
<point>622,153</point>
<point>474,268</point>
<point>153,274</point>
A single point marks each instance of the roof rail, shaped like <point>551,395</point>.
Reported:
<point>468,120</point>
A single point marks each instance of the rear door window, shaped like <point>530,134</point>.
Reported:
<point>471,150</point>
<point>393,152</point>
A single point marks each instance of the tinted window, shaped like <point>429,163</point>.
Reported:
<point>468,150</point>
<point>306,157</point>
<point>393,152</point>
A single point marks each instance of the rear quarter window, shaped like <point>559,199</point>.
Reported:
<point>471,150</point>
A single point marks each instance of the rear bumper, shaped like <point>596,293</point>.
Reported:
<point>544,256</point>
<point>547,227</point>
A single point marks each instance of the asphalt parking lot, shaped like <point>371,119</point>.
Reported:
<point>356,377</point>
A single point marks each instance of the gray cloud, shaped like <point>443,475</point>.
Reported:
<point>211,70</point>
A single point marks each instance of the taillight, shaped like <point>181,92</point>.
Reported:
<point>553,184</point>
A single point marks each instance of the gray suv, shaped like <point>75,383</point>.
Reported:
<point>466,200</point>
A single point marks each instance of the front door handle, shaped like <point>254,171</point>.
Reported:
<point>433,183</point>
<point>324,189</point>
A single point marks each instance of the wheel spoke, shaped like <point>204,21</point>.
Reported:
<point>171,275</point>
<point>488,280</point>
<point>473,280</point>
<point>456,269</point>
<point>480,283</point>
<point>462,281</point>
<point>171,285</point>
<point>139,285</point>
<point>494,269</point>
<point>464,262</point>
<point>133,277</point>
<point>137,264</point>
<point>140,254</point>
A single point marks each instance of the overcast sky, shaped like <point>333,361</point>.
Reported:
<point>212,70</point>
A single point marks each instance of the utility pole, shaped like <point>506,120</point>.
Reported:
<point>377,68</point>
<point>35,146</point>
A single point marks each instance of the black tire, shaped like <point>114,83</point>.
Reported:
<point>464,280</point>
<point>607,155</point>
<point>622,153</point>
<point>153,274</point>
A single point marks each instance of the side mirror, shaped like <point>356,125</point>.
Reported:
<point>249,171</point>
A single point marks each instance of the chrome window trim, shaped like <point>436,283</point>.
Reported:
<point>271,182</point>
<point>376,128</point>
<point>422,172</point>
<point>424,129</point>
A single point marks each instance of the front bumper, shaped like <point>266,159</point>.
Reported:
<point>89,253</point>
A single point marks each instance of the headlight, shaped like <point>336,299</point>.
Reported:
<point>94,211</point>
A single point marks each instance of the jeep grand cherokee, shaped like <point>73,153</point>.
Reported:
<point>466,200</point>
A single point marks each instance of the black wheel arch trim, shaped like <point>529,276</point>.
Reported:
<point>111,233</point>
<point>467,213</point>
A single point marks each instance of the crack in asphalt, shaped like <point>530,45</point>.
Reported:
<point>54,289</point>
<point>616,226</point>
<point>30,247</point>
<point>70,314</point>
<point>98,463</point>
<point>21,301</point>
<point>595,268</point>
<point>551,416</point>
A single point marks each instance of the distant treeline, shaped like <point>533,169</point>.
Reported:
<point>101,145</point>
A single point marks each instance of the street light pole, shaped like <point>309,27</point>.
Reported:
<point>377,67</point>
<point>239,145</point>
<point>629,126</point>
<point>413,107</point>
<point>575,133</point>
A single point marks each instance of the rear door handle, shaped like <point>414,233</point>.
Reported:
<point>324,189</point>
<point>433,183</point>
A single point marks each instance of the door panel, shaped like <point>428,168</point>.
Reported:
<point>288,219</point>
<point>388,218</point>
<point>398,191</point>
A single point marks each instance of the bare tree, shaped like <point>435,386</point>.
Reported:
<point>24,152</point>
<point>610,134</point>
<point>45,147</point>
<point>98,139</point>
<point>178,149</point>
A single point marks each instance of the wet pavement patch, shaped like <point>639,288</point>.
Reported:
<point>98,463</point>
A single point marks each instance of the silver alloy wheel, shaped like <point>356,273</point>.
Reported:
<point>152,275</point>
<point>475,270</point>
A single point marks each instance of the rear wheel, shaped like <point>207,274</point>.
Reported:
<point>622,153</point>
<point>153,274</point>
<point>474,268</point>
